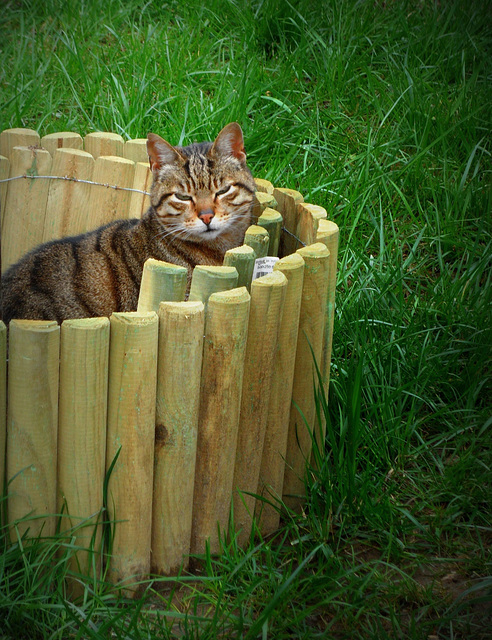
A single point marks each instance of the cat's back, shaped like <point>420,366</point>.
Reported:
<point>76,277</point>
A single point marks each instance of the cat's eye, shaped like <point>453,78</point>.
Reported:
<point>183,197</point>
<point>222,191</point>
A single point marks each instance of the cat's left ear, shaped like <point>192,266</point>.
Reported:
<point>230,142</point>
<point>161,152</point>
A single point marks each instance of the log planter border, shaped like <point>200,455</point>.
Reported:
<point>193,405</point>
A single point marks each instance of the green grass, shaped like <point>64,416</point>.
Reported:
<point>380,112</point>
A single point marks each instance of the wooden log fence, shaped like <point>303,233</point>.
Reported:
<point>189,409</point>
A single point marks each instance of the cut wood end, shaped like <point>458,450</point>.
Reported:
<point>20,131</point>
<point>283,191</point>
<point>263,197</point>
<point>61,135</point>
<point>188,308</point>
<point>69,151</point>
<point>292,261</point>
<point>166,267</point>
<point>86,324</point>
<point>119,159</point>
<point>270,215</point>
<point>275,278</point>
<point>40,326</point>
<point>264,185</point>
<point>220,272</point>
<point>319,213</point>
<point>104,134</point>
<point>243,249</point>
<point>317,250</point>
<point>255,229</point>
<point>327,227</point>
<point>139,318</point>
<point>233,296</point>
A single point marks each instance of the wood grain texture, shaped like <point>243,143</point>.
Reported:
<point>66,209</point>
<point>32,425</point>
<point>310,336</point>
<point>103,143</point>
<point>208,280</point>
<point>181,326</point>
<point>243,259</point>
<point>4,173</point>
<point>308,217</point>
<point>25,206</point>
<point>139,202</point>
<point>261,202</point>
<point>226,328</point>
<point>328,234</point>
<point>264,186</point>
<point>106,204</point>
<point>161,281</point>
<point>272,220</point>
<point>267,300</point>
<point>257,238</point>
<point>17,137</point>
<point>287,201</point>
<point>3,406</point>
<point>60,140</point>
<point>131,431</point>
<point>84,357</point>
<point>272,468</point>
<point>136,150</point>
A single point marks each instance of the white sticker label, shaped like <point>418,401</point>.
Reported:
<point>264,266</point>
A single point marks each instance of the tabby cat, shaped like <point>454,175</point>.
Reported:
<point>201,200</point>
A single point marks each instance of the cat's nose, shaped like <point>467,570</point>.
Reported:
<point>206,216</point>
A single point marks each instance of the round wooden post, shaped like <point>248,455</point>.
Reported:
<point>309,216</point>
<point>263,186</point>
<point>32,421</point>
<point>62,139</point>
<point>310,336</point>
<point>208,280</point>
<point>328,234</point>
<point>102,143</point>
<point>136,150</point>
<point>257,238</point>
<point>161,281</point>
<point>267,299</point>
<point>3,408</point>
<point>275,443</point>
<point>66,209</point>
<point>84,353</point>
<point>287,201</point>
<point>106,204</point>
<point>4,173</point>
<point>271,220</point>
<point>226,328</point>
<point>181,326</point>
<point>10,138</point>
<point>131,429</point>
<point>139,203</point>
<point>261,202</point>
<point>243,259</point>
<point>26,203</point>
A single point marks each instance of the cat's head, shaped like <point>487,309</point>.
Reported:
<point>203,191</point>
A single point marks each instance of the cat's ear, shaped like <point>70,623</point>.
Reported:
<point>230,142</point>
<point>161,152</point>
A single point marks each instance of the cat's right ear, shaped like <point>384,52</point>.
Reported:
<point>161,152</point>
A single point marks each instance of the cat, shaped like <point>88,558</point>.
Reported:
<point>201,200</point>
